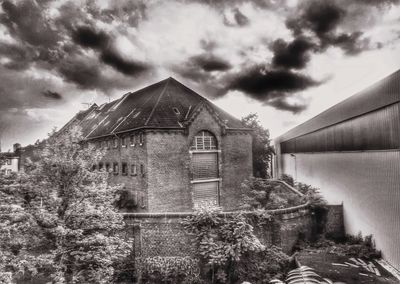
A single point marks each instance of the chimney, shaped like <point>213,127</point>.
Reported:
<point>16,147</point>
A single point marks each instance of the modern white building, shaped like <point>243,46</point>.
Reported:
<point>352,153</point>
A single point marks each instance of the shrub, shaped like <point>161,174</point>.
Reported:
<point>228,249</point>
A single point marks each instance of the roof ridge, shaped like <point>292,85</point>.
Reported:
<point>157,102</point>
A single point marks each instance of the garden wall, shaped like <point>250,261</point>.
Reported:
<point>157,234</point>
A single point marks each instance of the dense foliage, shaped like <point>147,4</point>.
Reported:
<point>268,194</point>
<point>229,250</point>
<point>261,145</point>
<point>59,217</point>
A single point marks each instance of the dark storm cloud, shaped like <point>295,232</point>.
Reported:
<point>89,37</point>
<point>209,63</point>
<point>282,104</point>
<point>86,36</point>
<point>295,54</point>
<point>84,74</point>
<point>324,18</point>
<point>26,21</point>
<point>52,95</point>
<point>262,84</point>
<point>127,67</point>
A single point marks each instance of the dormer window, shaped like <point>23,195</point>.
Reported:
<point>177,112</point>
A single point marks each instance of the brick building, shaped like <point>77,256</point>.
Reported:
<point>170,147</point>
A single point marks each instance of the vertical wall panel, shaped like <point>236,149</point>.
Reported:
<point>368,184</point>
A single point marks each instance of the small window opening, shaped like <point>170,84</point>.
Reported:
<point>100,166</point>
<point>116,142</point>
<point>124,169</point>
<point>142,169</point>
<point>123,142</point>
<point>107,167</point>
<point>141,138</point>
<point>132,140</point>
<point>133,170</point>
<point>115,168</point>
<point>176,110</point>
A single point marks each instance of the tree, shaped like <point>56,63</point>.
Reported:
<point>67,207</point>
<point>262,148</point>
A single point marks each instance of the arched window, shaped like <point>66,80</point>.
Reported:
<point>203,141</point>
<point>204,169</point>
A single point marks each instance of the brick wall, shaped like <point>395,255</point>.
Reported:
<point>237,166</point>
<point>163,235</point>
<point>168,172</point>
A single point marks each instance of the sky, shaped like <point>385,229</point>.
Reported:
<point>286,60</point>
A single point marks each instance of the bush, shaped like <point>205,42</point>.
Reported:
<point>228,249</point>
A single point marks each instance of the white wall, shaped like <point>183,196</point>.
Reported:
<point>13,167</point>
<point>368,184</point>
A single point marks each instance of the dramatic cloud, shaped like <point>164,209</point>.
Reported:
<point>209,63</point>
<point>63,53</point>
<point>271,86</point>
<point>52,95</point>
<point>88,37</point>
<point>292,55</point>
<point>128,67</point>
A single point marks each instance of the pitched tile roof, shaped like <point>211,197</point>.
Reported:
<point>166,104</point>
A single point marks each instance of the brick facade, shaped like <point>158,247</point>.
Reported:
<point>166,157</point>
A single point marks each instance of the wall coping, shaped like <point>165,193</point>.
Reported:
<point>226,213</point>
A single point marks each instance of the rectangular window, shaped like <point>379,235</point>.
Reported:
<point>142,170</point>
<point>9,172</point>
<point>133,170</point>
<point>141,139</point>
<point>115,168</point>
<point>123,141</point>
<point>116,140</point>
<point>94,167</point>
<point>109,143</point>
<point>132,140</point>
<point>107,167</point>
<point>205,165</point>
<point>8,161</point>
<point>124,168</point>
<point>205,193</point>
<point>100,166</point>
<point>104,144</point>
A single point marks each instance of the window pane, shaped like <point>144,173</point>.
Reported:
<point>205,165</point>
<point>205,193</point>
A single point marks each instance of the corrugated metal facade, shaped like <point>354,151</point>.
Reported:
<point>352,153</point>
<point>368,184</point>
<point>377,130</point>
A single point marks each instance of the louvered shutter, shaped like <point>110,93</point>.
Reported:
<point>205,165</point>
<point>205,193</point>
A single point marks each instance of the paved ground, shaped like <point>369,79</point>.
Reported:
<point>322,263</point>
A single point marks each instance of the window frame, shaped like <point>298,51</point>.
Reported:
<point>133,170</point>
<point>132,140</point>
<point>115,168</point>
<point>115,142</point>
<point>124,168</point>
<point>212,144</point>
